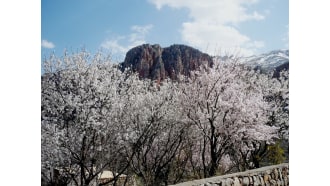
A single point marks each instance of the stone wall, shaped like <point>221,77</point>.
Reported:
<point>276,175</point>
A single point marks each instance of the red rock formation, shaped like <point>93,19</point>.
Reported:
<point>156,63</point>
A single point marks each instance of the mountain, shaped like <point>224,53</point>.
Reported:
<point>157,63</point>
<point>275,60</point>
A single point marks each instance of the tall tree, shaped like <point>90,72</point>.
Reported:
<point>276,93</point>
<point>79,97</point>
<point>153,132</point>
<point>227,108</point>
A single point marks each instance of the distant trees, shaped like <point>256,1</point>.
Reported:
<point>95,117</point>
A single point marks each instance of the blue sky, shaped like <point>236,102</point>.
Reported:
<point>245,27</point>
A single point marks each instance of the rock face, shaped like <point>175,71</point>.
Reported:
<point>156,63</point>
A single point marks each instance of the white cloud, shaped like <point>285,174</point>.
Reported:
<point>47,44</point>
<point>113,45</point>
<point>119,45</point>
<point>141,29</point>
<point>212,24</point>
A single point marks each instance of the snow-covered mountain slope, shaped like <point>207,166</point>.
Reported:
<point>268,61</point>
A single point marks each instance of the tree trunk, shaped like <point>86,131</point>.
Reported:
<point>213,146</point>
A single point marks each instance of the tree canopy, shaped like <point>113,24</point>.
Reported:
<point>96,117</point>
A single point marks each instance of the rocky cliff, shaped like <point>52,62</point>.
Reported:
<point>157,63</point>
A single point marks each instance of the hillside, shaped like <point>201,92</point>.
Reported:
<point>274,60</point>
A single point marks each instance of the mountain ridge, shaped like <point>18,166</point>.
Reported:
<point>273,60</point>
<point>157,63</point>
